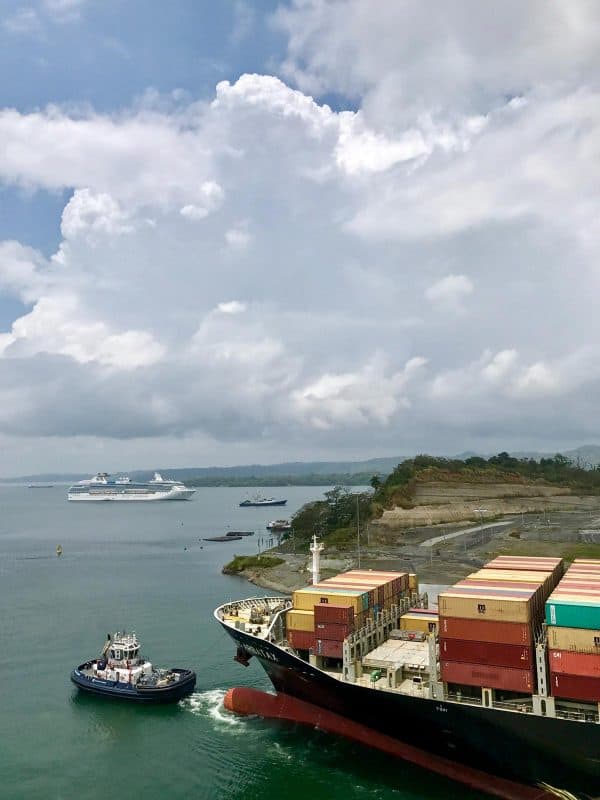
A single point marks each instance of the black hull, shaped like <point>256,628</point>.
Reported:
<point>124,691</point>
<point>247,504</point>
<point>521,747</point>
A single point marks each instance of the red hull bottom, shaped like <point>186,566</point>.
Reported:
<point>243,700</point>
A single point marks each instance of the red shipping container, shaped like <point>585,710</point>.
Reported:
<point>332,630</point>
<point>511,680</point>
<point>575,687</point>
<point>326,612</point>
<point>301,640</point>
<point>329,648</point>
<point>484,630</point>
<point>568,662</point>
<point>490,653</point>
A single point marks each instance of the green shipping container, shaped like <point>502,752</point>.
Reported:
<point>573,614</point>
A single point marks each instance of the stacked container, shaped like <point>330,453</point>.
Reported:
<point>488,622</point>
<point>421,620</point>
<point>573,618</point>
<point>325,614</point>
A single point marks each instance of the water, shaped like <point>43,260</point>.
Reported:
<point>143,567</point>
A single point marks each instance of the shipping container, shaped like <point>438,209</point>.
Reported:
<point>332,630</point>
<point>307,599</point>
<point>489,604</point>
<point>567,662</point>
<point>329,648</point>
<point>426,623</point>
<point>413,582</point>
<point>575,687</point>
<point>573,613</point>
<point>583,640</point>
<point>297,620</point>
<point>511,680</point>
<point>544,580</point>
<point>483,630</point>
<point>301,640</point>
<point>488,653</point>
<point>327,612</point>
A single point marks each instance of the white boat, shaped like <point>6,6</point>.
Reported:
<point>103,487</point>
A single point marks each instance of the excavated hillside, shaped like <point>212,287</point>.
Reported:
<point>455,500</point>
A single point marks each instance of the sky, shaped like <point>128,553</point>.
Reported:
<point>243,232</point>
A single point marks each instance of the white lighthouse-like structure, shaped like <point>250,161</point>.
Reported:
<point>316,549</point>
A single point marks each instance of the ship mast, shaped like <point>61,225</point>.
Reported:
<point>316,548</point>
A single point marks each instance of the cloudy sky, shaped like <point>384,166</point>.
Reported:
<point>262,231</point>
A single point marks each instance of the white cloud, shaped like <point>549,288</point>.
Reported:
<point>449,292</point>
<point>345,233</point>
<point>24,21</point>
<point>232,307</point>
<point>93,215</point>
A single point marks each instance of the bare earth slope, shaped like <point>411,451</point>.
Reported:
<point>450,501</point>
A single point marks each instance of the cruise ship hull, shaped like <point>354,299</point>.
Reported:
<point>125,496</point>
<point>520,747</point>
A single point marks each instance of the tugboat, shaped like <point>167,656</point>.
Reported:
<point>122,672</point>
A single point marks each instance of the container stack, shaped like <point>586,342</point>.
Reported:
<point>420,620</point>
<point>324,614</point>
<point>488,623</point>
<point>573,618</point>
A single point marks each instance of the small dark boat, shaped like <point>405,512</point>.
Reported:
<point>121,672</point>
<point>258,501</point>
<point>239,533</point>
<point>222,539</point>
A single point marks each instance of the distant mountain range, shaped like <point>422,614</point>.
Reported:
<point>587,455</point>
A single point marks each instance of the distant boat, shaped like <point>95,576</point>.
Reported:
<point>239,533</point>
<point>41,486</point>
<point>279,525</point>
<point>103,487</point>
<point>258,501</point>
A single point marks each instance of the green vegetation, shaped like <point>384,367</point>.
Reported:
<point>335,518</point>
<point>240,563</point>
<point>310,479</point>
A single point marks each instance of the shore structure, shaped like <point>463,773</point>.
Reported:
<point>498,687</point>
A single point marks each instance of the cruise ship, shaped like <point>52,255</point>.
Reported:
<point>103,487</point>
<point>498,688</point>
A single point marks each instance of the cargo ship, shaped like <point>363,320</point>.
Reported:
<point>499,687</point>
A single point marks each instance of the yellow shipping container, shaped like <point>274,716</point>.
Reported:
<point>298,620</point>
<point>307,599</point>
<point>413,582</point>
<point>419,622</point>
<point>482,606</point>
<point>581,640</point>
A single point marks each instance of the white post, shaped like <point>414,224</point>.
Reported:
<point>316,548</point>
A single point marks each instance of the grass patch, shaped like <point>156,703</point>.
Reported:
<point>240,563</point>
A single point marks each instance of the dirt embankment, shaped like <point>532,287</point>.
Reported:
<point>441,502</point>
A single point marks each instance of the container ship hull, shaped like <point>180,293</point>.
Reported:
<point>524,748</point>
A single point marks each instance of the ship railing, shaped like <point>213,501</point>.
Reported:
<point>580,716</point>
<point>463,698</point>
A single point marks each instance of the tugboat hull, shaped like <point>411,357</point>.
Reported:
<point>125,691</point>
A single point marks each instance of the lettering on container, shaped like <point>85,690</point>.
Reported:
<point>553,614</point>
<point>481,608</point>
<point>596,641</point>
<point>324,600</point>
